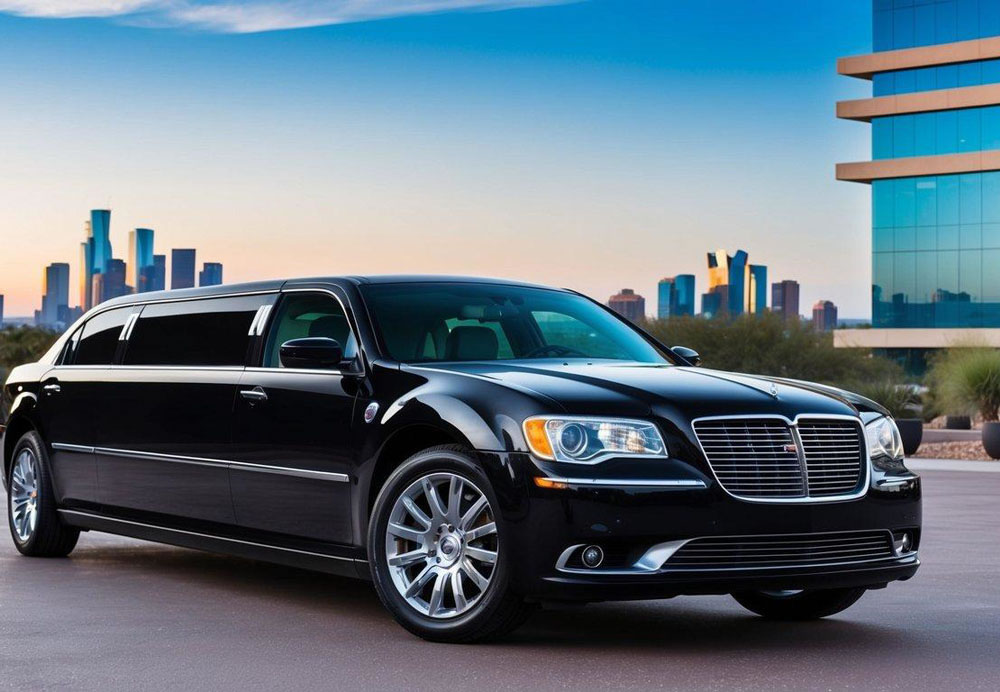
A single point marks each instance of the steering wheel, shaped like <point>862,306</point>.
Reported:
<point>554,350</point>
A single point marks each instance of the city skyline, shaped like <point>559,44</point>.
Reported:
<point>101,276</point>
<point>419,141</point>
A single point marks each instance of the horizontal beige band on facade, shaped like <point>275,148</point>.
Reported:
<point>921,102</point>
<point>864,66</point>
<point>915,338</point>
<point>910,166</point>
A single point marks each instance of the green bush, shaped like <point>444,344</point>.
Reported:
<point>967,381</point>
<point>899,399</point>
<point>768,345</point>
<point>19,345</point>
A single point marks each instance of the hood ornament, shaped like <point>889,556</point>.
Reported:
<point>773,391</point>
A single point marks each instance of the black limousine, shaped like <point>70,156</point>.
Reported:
<point>474,447</point>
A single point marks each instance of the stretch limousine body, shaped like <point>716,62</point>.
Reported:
<point>474,447</point>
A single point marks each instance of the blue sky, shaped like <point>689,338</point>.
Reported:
<point>594,144</point>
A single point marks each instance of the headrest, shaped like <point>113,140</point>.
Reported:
<point>472,343</point>
<point>330,326</point>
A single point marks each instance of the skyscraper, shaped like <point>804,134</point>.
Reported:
<point>55,296</point>
<point>100,226</point>
<point>734,286</point>
<point>114,280</point>
<point>159,281</point>
<point>785,299</point>
<point>87,267</point>
<point>1,311</point>
<point>934,174</point>
<point>182,264</point>
<point>210,275</point>
<point>140,260</point>
<point>675,296</point>
<point>628,304</point>
<point>824,316</point>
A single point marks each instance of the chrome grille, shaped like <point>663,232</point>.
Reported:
<point>834,452</point>
<point>766,458</point>
<point>779,551</point>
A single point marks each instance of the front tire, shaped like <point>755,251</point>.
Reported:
<point>437,550</point>
<point>31,504</point>
<point>810,604</point>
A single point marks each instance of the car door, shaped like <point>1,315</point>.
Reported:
<point>164,432</point>
<point>292,436</point>
<point>66,405</point>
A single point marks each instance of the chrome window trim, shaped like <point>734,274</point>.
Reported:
<point>262,326</point>
<point>101,517</point>
<point>204,461</point>
<point>793,426</point>
<point>126,331</point>
<point>629,482</point>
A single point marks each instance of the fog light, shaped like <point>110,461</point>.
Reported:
<point>592,556</point>
<point>902,543</point>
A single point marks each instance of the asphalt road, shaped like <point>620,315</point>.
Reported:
<point>123,614</point>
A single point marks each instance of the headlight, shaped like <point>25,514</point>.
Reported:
<point>884,440</point>
<point>589,440</point>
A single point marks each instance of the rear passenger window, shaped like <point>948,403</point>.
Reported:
<point>212,331</point>
<point>308,314</point>
<point>99,337</point>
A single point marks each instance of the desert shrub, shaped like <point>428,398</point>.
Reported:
<point>967,381</point>
<point>900,400</point>
<point>768,345</point>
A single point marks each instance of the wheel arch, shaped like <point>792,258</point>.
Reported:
<point>19,424</point>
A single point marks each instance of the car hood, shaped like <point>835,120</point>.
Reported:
<point>627,388</point>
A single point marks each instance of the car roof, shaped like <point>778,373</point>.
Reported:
<point>278,284</point>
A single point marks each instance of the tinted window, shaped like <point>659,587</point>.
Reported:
<point>302,315</point>
<point>212,331</point>
<point>99,338</point>
<point>448,322</point>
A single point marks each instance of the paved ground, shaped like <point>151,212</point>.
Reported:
<point>123,614</point>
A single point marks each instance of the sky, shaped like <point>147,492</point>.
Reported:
<point>597,144</point>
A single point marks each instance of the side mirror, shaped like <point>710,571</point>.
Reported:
<point>688,354</point>
<point>314,353</point>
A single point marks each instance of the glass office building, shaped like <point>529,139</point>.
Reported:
<point>934,172</point>
<point>675,296</point>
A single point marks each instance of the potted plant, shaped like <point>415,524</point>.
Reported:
<point>970,380</point>
<point>902,403</point>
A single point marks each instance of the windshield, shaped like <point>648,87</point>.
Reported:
<point>424,322</point>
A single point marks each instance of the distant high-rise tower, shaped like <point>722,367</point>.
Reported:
<point>182,263</point>
<point>785,299</point>
<point>159,280</point>
<point>824,316</point>
<point>100,226</point>
<point>675,296</point>
<point>55,296</point>
<point>734,286</point>
<point>87,268</point>
<point>140,260</point>
<point>114,280</point>
<point>628,304</point>
<point>210,275</point>
<point>1,311</point>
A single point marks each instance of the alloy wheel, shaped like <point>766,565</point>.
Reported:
<point>441,545</point>
<point>24,495</point>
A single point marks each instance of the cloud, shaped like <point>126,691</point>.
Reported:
<point>251,16</point>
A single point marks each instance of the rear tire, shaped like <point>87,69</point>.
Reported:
<point>450,575</point>
<point>34,522</point>
<point>810,604</point>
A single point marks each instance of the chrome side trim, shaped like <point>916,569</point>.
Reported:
<point>212,463</point>
<point>101,517</point>
<point>629,482</point>
<point>265,313</point>
<point>793,425</point>
<point>252,331</point>
<point>126,331</point>
<point>63,447</point>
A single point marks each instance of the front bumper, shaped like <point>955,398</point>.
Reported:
<point>627,521</point>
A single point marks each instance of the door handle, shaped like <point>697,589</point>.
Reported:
<point>255,395</point>
<point>52,388</point>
